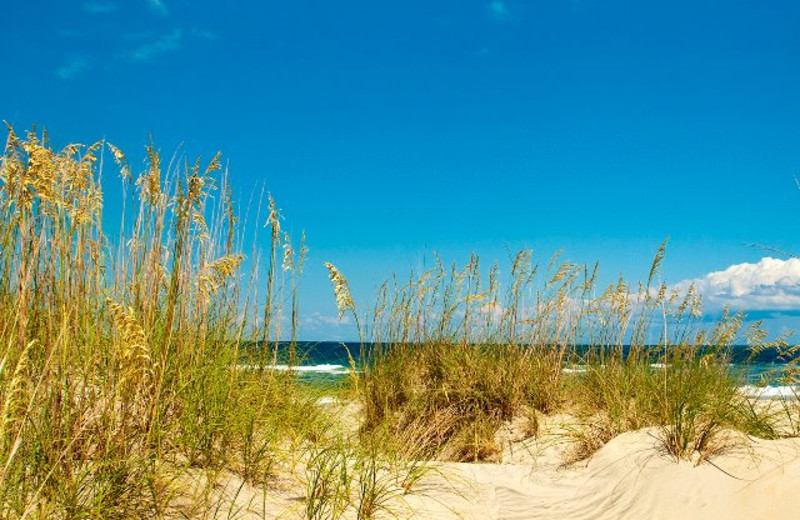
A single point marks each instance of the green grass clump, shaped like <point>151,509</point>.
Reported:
<point>461,392</point>
<point>346,478</point>
<point>692,397</point>
<point>118,360</point>
<point>456,356</point>
<point>122,390</point>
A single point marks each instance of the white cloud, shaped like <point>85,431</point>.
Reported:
<point>166,43</point>
<point>770,284</point>
<point>498,9</point>
<point>493,310</point>
<point>99,7</point>
<point>158,6</point>
<point>74,65</point>
<point>316,320</point>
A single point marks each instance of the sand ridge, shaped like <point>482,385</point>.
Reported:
<point>631,477</point>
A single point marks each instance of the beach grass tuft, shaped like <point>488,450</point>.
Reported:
<point>454,351</point>
<point>137,368</point>
<point>119,375</point>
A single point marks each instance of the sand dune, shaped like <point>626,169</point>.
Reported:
<point>629,477</point>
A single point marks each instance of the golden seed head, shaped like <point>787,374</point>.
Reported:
<point>341,290</point>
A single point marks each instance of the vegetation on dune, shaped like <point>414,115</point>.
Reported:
<point>118,361</point>
<point>136,376</point>
<point>123,390</point>
<point>462,355</point>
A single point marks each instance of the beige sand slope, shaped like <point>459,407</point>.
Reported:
<point>628,478</point>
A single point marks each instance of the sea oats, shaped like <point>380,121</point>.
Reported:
<point>341,290</point>
<point>118,360</point>
<point>121,161</point>
<point>288,253</point>
<point>150,181</point>
<point>662,249</point>
<point>134,352</point>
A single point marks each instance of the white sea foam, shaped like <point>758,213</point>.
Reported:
<point>327,369</point>
<point>770,392</point>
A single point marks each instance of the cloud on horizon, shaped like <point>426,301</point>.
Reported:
<point>770,284</point>
<point>316,326</point>
<point>317,319</point>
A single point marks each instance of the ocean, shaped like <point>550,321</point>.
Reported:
<point>329,361</point>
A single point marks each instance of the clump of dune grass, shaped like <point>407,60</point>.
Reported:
<point>682,383</point>
<point>362,478</point>
<point>784,410</point>
<point>453,356</point>
<point>451,348</point>
<point>692,399</point>
<point>118,359</point>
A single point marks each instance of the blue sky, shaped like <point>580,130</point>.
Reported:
<point>388,129</point>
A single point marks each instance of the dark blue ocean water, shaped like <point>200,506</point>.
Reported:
<point>330,360</point>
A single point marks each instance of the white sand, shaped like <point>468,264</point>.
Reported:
<point>630,477</point>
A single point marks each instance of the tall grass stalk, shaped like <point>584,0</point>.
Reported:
<point>466,355</point>
<point>118,368</point>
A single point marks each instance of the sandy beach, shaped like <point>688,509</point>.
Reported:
<point>629,477</point>
<point>486,260</point>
